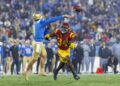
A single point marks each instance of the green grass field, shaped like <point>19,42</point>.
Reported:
<point>86,80</point>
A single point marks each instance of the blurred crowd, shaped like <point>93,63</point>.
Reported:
<point>97,27</point>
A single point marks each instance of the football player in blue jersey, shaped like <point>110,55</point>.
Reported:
<point>40,22</point>
<point>27,53</point>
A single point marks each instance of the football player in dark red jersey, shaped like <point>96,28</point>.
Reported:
<point>65,38</point>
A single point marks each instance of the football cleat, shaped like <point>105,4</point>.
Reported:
<point>76,77</point>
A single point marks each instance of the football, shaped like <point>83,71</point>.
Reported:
<point>77,8</point>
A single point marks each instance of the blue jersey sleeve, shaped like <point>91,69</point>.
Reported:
<point>48,21</point>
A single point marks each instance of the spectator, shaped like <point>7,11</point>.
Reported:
<point>15,57</point>
<point>78,53</point>
<point>86,59</point>
<point>27,54</point>
<point>49,58</point>
<point>92,54</point>
<point>55,57</point>
<point>74,60</point>
<point>112,62</point>
<point>4,56</point>
<point>8,60</point>
<point>116,50</point>
<point>105,54</point>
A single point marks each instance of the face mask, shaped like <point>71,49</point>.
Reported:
<point>64,30</point>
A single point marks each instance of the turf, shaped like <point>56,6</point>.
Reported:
<point>86,80</point>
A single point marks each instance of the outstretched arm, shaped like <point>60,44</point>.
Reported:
<point>54,19</point>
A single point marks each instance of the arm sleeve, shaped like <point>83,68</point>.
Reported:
<point>48,21</point>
